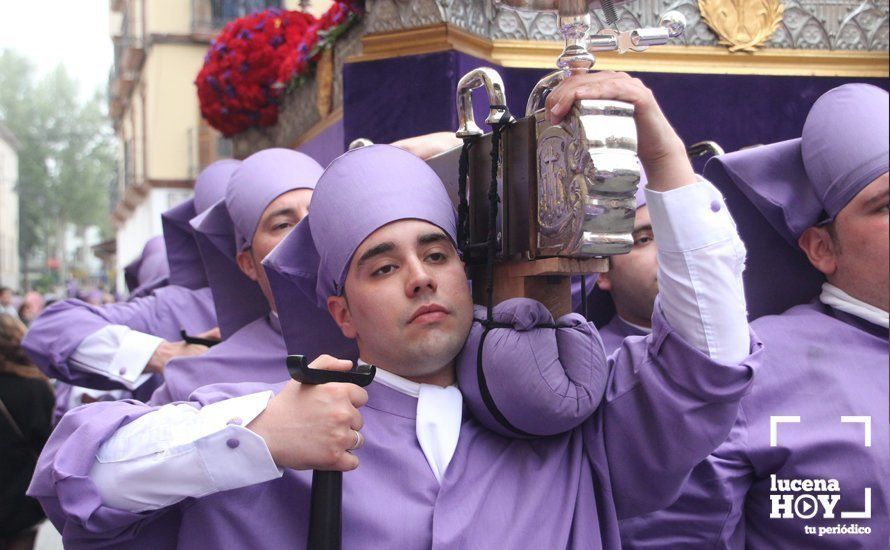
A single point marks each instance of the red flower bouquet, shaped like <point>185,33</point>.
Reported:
<point>255,58</point>
<point>320,35</point>
<point>236,86</point>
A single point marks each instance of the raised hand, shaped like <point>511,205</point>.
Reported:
<point>660,149</point>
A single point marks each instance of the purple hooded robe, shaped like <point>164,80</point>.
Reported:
<point>824,368</point>
<point>563,491</point>
<point>149,271</point>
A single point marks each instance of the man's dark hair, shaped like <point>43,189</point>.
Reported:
<point>4,289</point>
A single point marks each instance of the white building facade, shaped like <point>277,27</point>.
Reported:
<point>9,209</point>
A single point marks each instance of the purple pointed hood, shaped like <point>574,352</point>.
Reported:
<point>795,184</point>
<point>149,271</point>
<point>360,192</point>
<point>228,227</point>
<point>845,143</point>
<point>183,258</point>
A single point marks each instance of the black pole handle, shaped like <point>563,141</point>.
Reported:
<point>297,367</point>
<point>196,340</point>
<point>326,510</point>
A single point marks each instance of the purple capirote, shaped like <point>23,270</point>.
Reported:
<point>263,177</point>
<point>228,227</point>
<point>846,143</point>
<point>150,270</point>
<point>183,257</point>
<point>795,184</point>
<point>798,183</point>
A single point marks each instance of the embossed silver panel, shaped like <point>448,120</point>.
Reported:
<point>587,177</point>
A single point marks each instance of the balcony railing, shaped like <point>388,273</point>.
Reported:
<point>210,16</point>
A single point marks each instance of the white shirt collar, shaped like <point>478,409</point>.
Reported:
<point>437,417</point>
<point>396,382</point>
<point>644,330</point>
<point>841,301</point>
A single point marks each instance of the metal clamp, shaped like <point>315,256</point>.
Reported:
<point>545,84</point>
<point>672,25</point>
<point>358,143</point>
<point>497,100</point>
<point>704,148</point>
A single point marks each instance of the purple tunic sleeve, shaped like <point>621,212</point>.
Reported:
<point>710,511</point>
<point>56,334</point>
<point>540,377</point>
<point>71,500</point>
<point>61,479</point>
<point>667,407</point>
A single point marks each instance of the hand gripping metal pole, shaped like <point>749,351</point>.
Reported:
<point>326,510</point>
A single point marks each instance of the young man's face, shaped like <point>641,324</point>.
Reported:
<point>278,219</point>
<point>862,245</point>
<point>5,297</point>
<point>632,279</point>
<point>406,301</point>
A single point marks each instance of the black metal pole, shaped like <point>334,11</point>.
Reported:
<point>326,510</point>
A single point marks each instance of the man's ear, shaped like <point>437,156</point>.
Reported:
<point>339,310</point>
<point>817,244</point>
<point>247,265</point>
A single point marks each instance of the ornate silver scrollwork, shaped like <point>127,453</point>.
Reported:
<point>587,176</point>
<point>587,165</point>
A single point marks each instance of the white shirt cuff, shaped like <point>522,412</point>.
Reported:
<point>133,356</point>
<point>117,353</point>
<point>237,457</point>
<point>179,451</point>
<point>700,217</point>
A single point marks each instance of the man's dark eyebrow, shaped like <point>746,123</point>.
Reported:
<point>882,196</point>
<point>286,211</point>
<point>647,227</point>
<point>381,248</point>
<point>430,238</point>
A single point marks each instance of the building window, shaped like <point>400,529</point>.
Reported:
<point>209,16</point>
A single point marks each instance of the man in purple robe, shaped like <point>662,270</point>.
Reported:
<point>266,198</point>
<point>807,463</point>
<point>430,476</point>
<point>126,345</point>
<point>143,275</point>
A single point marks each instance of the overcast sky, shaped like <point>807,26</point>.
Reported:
<point>72,32</point>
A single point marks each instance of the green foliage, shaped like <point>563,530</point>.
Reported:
<point>67,158</point>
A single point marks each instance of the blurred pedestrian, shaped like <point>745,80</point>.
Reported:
<point>6,305</point>
<point>26,404</point>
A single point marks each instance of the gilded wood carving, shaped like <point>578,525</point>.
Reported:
<point>742,24</point>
